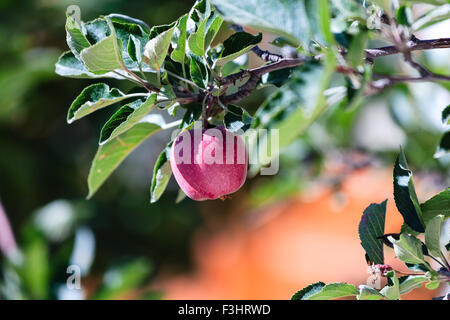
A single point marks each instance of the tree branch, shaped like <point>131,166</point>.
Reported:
<point>278,62</point>
<point>387,81</point>
<point>414,45</point>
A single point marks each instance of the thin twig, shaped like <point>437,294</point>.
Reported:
<point>414,46</point>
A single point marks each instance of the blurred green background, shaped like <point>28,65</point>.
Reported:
<point>44,162</point>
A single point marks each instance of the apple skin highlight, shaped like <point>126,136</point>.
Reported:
<point>209,164</point>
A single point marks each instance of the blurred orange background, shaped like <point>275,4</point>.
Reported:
<point>291,245</point>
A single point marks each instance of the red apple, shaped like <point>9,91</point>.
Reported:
<point>209,164</point>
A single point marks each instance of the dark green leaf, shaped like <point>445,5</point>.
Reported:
<point>237,119</point>
<point>277,78</point>
<point>446,113</point>
<point>192,114</point>
<point>405,194</point>
<point>405,15</point>
<point>123,19</point>
<point>135,49</point>
<point>444,146</point>
<point>75,37</point>
<point>126,117</point>
<point>161,175</point>
<point>92,98</point>
<point>198,71</point>
<point>238,44</point>
<point>370,228</point>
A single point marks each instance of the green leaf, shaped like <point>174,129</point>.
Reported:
<point>69,66</point>
<point>123,19</point>
<point>444,146</point>
<point>196,40</point>
<point>157,30</point>
<point>75,37</point>
<point>321,291</point>
<point>439,204</point>
<point>238,44</point>
<point>405,194</point>
<point>277,78</point>
<point>180,196</point>
<point>431,17</point>
<point>92,98</point>
<point>161,175</point>
<point>319,15</point>
<point>295,106</point>
<point>285,18</point>
<point>408,249</point>
<point>308,291</point>
<point>370,228</point>
<point>433,236</point>
<point>356,91</point>
<point>237,119</point>
<point>179,40</point>
<point>156,49</point>
<point>356,52</point>
<point>405,15</point>
<point>135,49</point>
<point>35,270</point>
<point>124,277</point>
<point>126,117</point>
<point>392,289</point>
<point>409,283</point>
<point>112,153</point>
<point>192,114</point>
<point>199,71</point>
<point>212,28</point>
<point>446,113</point>
<point>105,55</point>
<point>368,293</point>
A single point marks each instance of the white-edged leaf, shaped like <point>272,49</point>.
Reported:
<point>392,290</point>
<point>92,98</point>
<point>236,45</point>
<point>75,37</point>
<point>126,117</point>
<point>105,55</point>
<point>285,18</point>
<point>321,291</point>
<point>161,175</point>
<point>157,48</point>
<point>368,293</point>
